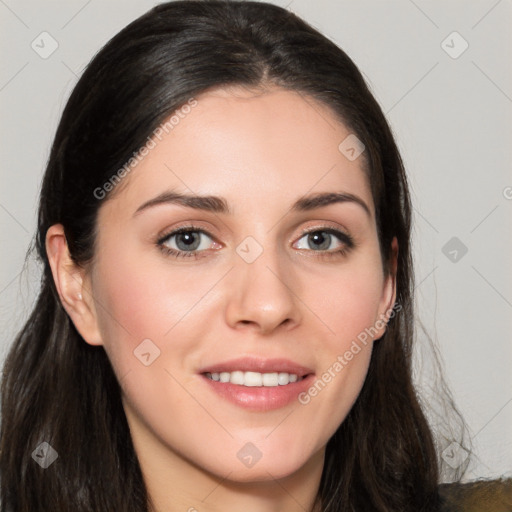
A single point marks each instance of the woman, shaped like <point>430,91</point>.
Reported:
<point>192,347</point>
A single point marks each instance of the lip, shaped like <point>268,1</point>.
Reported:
<point>252,364</point>
<point>259,398</point>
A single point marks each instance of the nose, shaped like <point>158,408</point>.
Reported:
<point>261,295</point>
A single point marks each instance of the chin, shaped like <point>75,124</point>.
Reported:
<point>269,464</point>
<point>268,471</point>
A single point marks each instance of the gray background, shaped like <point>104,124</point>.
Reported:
<point>451,115</point>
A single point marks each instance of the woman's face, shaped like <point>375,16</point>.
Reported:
<point>241,344</point>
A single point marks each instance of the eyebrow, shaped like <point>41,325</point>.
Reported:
<point>216,204</point>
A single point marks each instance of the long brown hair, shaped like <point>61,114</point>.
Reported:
<point>58,389</point>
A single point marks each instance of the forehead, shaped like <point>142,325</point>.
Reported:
<point>250,146</point>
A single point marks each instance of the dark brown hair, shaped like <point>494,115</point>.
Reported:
<point>59,389</point>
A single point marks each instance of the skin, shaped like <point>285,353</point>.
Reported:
<point>261,151</point>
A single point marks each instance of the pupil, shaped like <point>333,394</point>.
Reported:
<point>187,239</point>
<point>318,237</point>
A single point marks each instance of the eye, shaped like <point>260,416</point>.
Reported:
<point>185,242</point>
<point>322,240</point>
<point>190,241</point>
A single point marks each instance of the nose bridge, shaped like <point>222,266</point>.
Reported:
<point>260,291</point>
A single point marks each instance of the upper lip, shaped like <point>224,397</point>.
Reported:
<point>253,364</point>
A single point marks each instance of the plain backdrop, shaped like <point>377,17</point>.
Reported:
<point>441,72</point>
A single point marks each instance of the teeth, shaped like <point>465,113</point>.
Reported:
<point>237,378</point>
<point>270,379</point>
<point>253,379</point>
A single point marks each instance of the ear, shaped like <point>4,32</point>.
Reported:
<point>73,286</point>
<point>388,292</point>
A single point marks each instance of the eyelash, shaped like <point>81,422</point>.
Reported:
<point>342,237</point>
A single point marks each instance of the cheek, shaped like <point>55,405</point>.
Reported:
<point>138,300</point>
<point>144,309</point>
<point>146,298</point>
<point>143,297</point>
<point>347,301</point>
<point>348,305</point>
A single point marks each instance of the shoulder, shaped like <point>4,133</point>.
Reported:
<point>477,496</point>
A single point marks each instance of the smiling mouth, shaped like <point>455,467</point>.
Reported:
<point>256,384</point>
<point>255,379</point>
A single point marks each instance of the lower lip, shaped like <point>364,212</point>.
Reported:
<point>260,398</point>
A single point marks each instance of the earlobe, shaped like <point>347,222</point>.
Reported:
<point>70,282</point>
